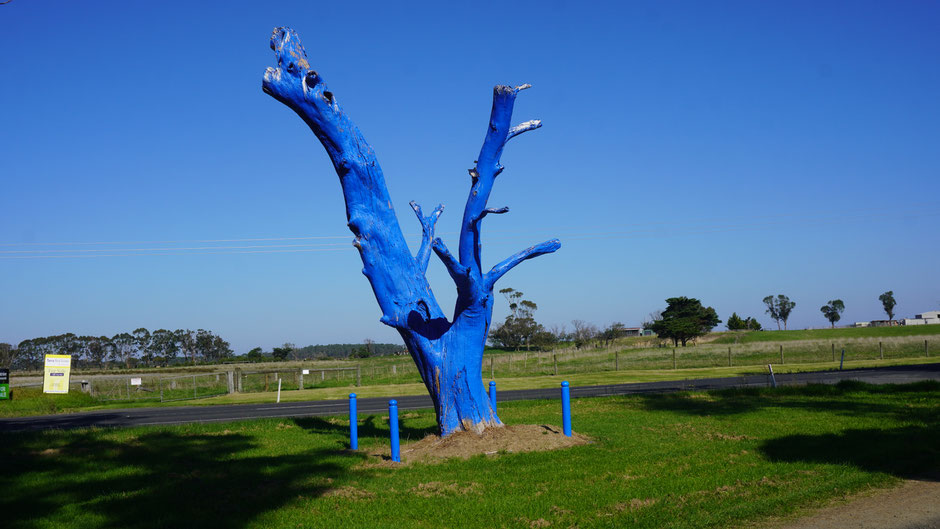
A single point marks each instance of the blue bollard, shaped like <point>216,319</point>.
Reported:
<point>566,408</point>
<point>353,423</point>
<point>493,396</point>
<point>393,426</point>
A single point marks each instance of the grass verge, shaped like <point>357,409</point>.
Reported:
<point>31,401</point>
<point>720,459</point>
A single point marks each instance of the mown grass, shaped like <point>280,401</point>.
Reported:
<point>24,404</point>
<point>720,459</point>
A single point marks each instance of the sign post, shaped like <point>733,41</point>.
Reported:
<point>4,383</point>
<point>56,376</point>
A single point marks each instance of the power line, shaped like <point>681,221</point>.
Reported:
<point>654,229</point>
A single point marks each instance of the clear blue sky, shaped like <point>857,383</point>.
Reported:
<point>718,150</point>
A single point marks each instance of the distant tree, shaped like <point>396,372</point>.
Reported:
<point>653,317</point>
<point>164,345</point>
<point>95,349</point>
<point>221,349</point>
<point>685,319</point>
<point>27,356</point>
<point>281,353</point>
<point>887,301</point>
<point>186,341</point>
<point>612,332</point>
<point>779,309</point>
<point>7,354</point>
<point>121,348</point>
<point>255,355</point>
<point>736,323</point>
<point>584,333</point>
<point>833,311</point>
<point>519,327</point>
<point>142,341</point>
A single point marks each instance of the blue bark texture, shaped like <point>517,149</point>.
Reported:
<point>448,353</point>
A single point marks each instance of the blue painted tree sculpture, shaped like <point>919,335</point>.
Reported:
<point>449,354</point>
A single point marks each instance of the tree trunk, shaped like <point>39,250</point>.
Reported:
<point>448,355</point>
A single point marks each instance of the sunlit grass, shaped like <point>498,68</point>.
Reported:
<point>721,459</point>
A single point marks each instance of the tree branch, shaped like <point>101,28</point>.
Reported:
<point>500,270</point>
<point>387,260</point>
<point>495,211</point>
<point>523,127</point>
<point>457,271</point>
<point>427,234</point>
<point>485,171</point>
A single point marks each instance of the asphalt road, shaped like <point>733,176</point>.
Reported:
<point>367,406</point>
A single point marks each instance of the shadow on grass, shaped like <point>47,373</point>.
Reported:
<point>367,428</point>
<point>829,398</point>
<point>160,479</point>
<point>910,451</point>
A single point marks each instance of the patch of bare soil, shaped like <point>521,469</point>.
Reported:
<point>913,505</point>
<point>493,441</point>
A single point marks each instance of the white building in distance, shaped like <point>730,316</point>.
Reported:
<point>927,318</point>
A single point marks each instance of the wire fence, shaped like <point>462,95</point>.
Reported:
<point>294,379</point>
<point>593,360</point>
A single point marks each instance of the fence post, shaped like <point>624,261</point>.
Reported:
<point>555,360</point>
<point>729,356</point>
<point>491,367</point>
<point>238,384</point>
<point>842,360</point>
<point>230,378</point>
<point>393,429</point>
<point>353,423</point>
<point>493,395</point>
<point>194,386</point>
<point>129,382</point>
<point>833,351</point>
<point>565,408</point>
<point>300,381</point>
<point>675,364</point>
<point>881,351</point>
<point>616,360</point>
<point>781,353</point>
<point>926,353</point>
<point>358,375</point>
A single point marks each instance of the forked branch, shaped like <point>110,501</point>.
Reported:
<point>427,233</point>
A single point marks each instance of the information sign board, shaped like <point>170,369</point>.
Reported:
<point>4,384</point>
<point>57,372</point>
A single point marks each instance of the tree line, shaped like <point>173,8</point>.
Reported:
<point>683,320</point>
<point>289,351</point>
<point>139,348</point>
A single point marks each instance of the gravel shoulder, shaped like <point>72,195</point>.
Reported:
<point>914,504</point>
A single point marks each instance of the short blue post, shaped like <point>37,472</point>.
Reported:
<point>566,408</point>
<point>393,425</point>
<point>353,423</point>
<point>842,360</point>
<point>493,395</point>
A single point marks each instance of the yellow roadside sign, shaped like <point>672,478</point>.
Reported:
<point>56,377</point>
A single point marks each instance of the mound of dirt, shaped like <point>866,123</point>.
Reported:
<point>493,441</point>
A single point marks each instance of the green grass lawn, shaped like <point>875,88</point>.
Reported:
<point>717,459</point>
<point>31,401</point>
